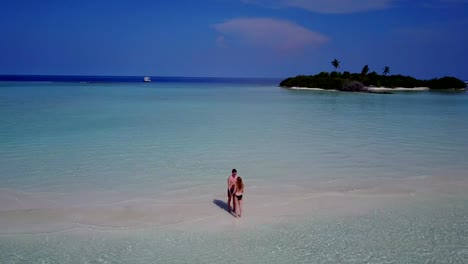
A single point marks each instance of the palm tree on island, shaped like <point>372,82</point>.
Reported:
<point>386,70</point>
<point>365,70</point>
<point>355,82</point>
<point>336,64</point>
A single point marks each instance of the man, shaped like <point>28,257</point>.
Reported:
<point>231,189</point>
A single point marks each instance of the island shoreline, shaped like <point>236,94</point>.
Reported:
<point>370,89</point>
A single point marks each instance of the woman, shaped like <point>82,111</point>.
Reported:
<point>239,192</point>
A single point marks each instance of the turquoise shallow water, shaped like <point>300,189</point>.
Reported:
<point>420,234</point>
<point>82,162</point>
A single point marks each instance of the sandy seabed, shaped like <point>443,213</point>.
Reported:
<point>202,208</point>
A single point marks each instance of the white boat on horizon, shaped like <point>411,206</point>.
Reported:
<point>147,79</point>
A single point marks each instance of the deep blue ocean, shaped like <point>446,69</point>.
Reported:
<point>135,79</point>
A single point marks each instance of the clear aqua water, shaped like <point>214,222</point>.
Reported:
<point>79,163</point>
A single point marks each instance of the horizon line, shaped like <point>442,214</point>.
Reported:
<point>129,76</point>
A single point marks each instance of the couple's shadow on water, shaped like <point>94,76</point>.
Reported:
<point>223,205</point>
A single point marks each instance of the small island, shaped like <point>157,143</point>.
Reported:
<point>369,82</point>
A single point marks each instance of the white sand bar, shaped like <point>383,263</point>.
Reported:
<point>203,208</point>
<point>415,89</point>
<point>374,89</point>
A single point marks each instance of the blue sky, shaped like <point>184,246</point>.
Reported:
<point>233,38</point>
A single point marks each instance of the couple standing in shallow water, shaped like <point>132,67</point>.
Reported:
<point>234,192</point>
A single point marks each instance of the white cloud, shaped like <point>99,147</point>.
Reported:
<point>326,6</point>
<point>455,1</point>
<point>436,4</point>
<point>279,35</point>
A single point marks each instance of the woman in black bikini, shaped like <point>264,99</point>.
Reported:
<point>239,192</point>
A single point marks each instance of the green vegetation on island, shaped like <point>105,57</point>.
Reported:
<point>347,81</point>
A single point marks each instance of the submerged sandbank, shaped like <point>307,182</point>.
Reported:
<point>199,208</point>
